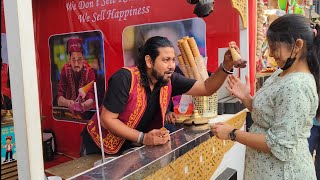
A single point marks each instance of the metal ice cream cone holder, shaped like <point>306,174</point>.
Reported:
<point>205,107</point>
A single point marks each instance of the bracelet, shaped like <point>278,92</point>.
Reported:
<point>140,138</point>
<point>226,71</point>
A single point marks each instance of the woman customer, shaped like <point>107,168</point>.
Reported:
<point>314,139</point>
<point>283,109</point>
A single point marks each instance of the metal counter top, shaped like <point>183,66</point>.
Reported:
<point>146,160</point>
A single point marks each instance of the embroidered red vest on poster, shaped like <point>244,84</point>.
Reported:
<point>72,90</point>
<point>132,114</point>
<point>5,90</point>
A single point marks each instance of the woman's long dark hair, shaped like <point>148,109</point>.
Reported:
<point>288,28</point>
<point>150,48</point>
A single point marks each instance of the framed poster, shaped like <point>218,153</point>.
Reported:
<point>77,61</point>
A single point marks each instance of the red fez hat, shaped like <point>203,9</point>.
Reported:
<point>74,45</point>
<point>9,137</point>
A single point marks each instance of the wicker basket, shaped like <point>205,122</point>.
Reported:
<point>207,106</point>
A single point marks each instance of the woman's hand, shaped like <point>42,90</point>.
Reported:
<point>221,130</point>
<point>237,88</point>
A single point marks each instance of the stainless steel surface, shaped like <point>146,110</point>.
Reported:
<point>148,159</point>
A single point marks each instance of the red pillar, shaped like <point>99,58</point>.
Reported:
<point>252,18</point>
<point>3,26</point>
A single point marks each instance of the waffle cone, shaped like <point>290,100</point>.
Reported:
<point>201,67</point>
<point>83,91</point>
<point>163,130</point>
<point>235,55</point>
<point>180,59</point>
<point>183,53</point>
<point>194,47</point>
<point>182,66</point>
<point>184,70</point>
<point>190,57</point>
<point>189,71</point>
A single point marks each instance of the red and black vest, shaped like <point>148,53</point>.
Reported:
<point>131,116</point>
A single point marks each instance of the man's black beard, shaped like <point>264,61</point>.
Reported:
<point>77,74</point>
<point>77,77</point>
<point>160,78</point>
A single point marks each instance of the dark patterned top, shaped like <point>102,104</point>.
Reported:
<point>283,110</point>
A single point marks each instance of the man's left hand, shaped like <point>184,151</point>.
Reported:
<point>156,137</point>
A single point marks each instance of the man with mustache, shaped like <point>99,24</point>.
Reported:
<point>76,73</point>
<point>137,98</point>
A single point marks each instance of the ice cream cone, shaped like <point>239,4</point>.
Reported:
<point>180,59</point>
<point>163,131</point>
<point>183,53</point>
<point>189,71</point>
<point>182,66</point>
<point>201,67</point>
<point>194,47</point>
<point>190,57</point>
<point>185,38</point>
<point>83,91</point>
<point>235,55</point>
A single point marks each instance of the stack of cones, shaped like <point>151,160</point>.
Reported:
<point>191,62</point>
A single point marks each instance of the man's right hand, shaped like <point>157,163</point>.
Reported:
<point>171,117</point>
<point>70,106</point>
<point>156,137</point>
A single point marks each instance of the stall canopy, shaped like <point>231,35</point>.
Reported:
<point>110,31</point>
